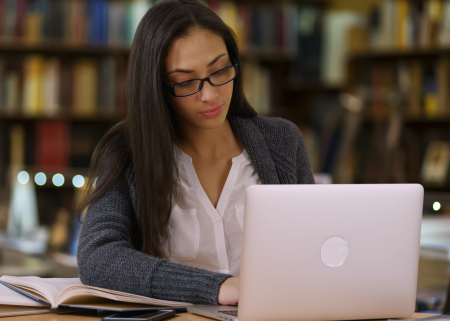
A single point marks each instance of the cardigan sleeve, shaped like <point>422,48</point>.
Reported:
<point>294,148</point>
<point>107,259</point>
<point>304,171</point>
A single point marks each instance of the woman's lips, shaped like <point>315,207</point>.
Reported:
<point>211,112</point>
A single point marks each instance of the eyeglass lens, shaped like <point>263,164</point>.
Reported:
<point>218,78</point>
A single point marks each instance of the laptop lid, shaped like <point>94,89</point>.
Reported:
<point>330,252</point>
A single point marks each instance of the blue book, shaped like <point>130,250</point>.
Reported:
<point>99,21</point>
<point>104,20</point>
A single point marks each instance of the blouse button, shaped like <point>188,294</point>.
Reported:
<point>216,222</point>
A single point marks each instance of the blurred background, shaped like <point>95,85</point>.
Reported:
<point>366,81</point>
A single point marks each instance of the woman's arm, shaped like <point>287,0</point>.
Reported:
<point>107,259</point>
<point>304,171</point>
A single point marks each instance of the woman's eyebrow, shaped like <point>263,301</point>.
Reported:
<point>189,71</point>
<point>215,59</point>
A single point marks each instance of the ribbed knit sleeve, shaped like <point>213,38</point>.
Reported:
<point>107,259</point>
<point>303,165</point>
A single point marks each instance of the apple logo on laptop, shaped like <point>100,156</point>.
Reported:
<point>334,251</point>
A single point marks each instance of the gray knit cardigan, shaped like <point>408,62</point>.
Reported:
<point>109,253</point>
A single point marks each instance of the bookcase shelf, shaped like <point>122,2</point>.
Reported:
<point>61,48</point>
<point>417,122</point>
<point>322,2</point>
<point>380,54</point>
<point>68,118</point>
<point>437,189</point>
<point>414,122</point>
<point>77,57</point>
<point>405,119</point>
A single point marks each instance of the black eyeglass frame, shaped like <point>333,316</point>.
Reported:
<point>171,89</point>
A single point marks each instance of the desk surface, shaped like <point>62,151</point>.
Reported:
<point>86,317</point>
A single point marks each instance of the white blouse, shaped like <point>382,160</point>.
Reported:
<point>204,236</point>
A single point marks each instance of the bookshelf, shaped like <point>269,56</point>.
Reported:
<point>60,48</point>
<point>87,44</point>
<point>398,70</point>
<point>405,109</point>
<point>73,119</point>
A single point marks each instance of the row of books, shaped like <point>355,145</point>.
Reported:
<point>403,24</point>
<point>71,21</point>
<point>384,145</point>
<point>49,144</point>
<point>114,22</point>
<point>270,26</point>
<point>353,150</point>
<point>47,86</point>
<point>419,88</point>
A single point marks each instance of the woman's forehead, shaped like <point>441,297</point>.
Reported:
<point>196,50</point>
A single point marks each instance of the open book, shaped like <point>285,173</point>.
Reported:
<point>54,293</point>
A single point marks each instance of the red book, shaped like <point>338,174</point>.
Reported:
<point>52,144</point>
<point>245,17</point>
<point>21,18</point>
<point>2,15</point>
<point>377,101</point>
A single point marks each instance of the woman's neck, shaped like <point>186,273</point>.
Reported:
<point>209,143</point>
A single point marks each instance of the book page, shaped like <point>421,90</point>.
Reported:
<point>58,284</point>
<point>11,297</point>
<point>55,285</point>
<point>79,294</point>
<point>48,287</point>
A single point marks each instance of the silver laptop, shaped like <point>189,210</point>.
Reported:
<point>327,252</point>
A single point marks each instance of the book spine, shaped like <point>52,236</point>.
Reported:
<point>21,19</point>
<point>10,19</point>
<point>2,17</point>
<point>52,144</point>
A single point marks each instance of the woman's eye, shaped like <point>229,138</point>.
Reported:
<point>185,84</point>
<point>220,72</point>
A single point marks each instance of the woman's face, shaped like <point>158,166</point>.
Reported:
<point>197,56</point>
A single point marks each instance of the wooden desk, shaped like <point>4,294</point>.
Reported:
<point>86,317</point>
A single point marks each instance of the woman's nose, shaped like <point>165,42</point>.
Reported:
<point>208,92</point>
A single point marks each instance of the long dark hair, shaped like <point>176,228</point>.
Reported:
<point>146,136</point>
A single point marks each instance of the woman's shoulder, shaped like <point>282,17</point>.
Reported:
<point>276,126</point>
<point>272,128</point>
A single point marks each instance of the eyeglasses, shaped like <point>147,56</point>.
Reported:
<point>193,86</point>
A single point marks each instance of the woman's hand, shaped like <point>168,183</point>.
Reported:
<point>229,291</point>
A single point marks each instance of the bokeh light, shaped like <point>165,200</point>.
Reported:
<point>436,206</point>
<point>78,181</point>
<point>40,179</point>
<point>23,177</point>
<point>58,179</point>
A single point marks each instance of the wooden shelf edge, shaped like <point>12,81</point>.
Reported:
<point>61,47</point>
<point>64,48</point>
<point>93,119</point>
<point>398,53</point>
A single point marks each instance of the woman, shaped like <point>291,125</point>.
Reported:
<point>165,218</point>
